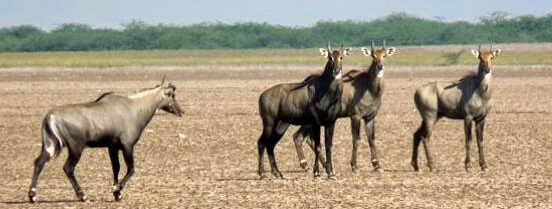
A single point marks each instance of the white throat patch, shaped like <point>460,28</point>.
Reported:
<point>487,78</point>
<point>488,75</point>
<point>338,76</point>
<point>380,73</point>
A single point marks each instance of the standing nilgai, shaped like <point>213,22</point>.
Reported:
<point>361,100</point>
<point>112,121</point>
<point>467,99</point>
<point>315,101</point>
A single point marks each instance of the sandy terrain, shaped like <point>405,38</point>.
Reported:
<point>213,162</point>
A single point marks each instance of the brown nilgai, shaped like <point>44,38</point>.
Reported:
<point>315,101</point>
<point>361,100</point>
<point>467,99</point>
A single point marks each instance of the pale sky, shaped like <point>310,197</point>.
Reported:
<point>48,14</point>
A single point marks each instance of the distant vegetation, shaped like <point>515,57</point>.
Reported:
<point>397,29</point>
<point>406,56</point>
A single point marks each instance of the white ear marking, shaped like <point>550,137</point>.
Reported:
<point>347,51</point>
<point>390,51</point>
<point>475,53</point>
<point>367,52</point>
<point>323,52</point>
<point>496,52</point>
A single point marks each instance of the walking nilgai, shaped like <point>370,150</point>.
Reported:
<point>467,99</point>
<point>361,100</point>
<point>112,121</point>
<point>315,101</point>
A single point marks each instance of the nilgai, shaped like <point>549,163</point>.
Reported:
<point>467,99</point>
<point>111,121</point>
<point>361,100</point>
<point>315,101</point>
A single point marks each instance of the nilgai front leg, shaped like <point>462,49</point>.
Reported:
<point>369,124</point>
<point>115,165</point>
<point>467,131</point>
<point>128,156</point>
<point>328,133</point>
<point>479,128</point>
<point>355,130</point>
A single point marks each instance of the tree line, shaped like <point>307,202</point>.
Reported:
<point>396,29</point>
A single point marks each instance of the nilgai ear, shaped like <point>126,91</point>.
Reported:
<point>390,51</point>
<point>172,86</point>
<point>496,52</point>
<point>347,51</point>
<point>163,80</point>
<point>168,91</point>
<point>367,52</point>
<point>475,53</point>
<point>324,52</point>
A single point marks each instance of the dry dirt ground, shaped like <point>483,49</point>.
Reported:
<point>208,158</point>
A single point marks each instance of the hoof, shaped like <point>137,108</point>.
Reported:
<point>316,175</point>
<point>484,168</point>
<point>277,174</point>
<point>32,195</point>
<point>415,166</point>
<point>83,198</point>
<point>305,168</point>
<point>304,165</point>
<point>354,169</point>
<point>118,196</point>
<point>378,170</point>
<point>332,176</point>
<point>32,199</point>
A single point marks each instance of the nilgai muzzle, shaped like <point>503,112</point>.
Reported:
<point>361,100</point>
<point>315,101</point>
<point>467,99</point>
<point>111,121</point>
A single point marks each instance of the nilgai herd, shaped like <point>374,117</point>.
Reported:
<point>117,122</point>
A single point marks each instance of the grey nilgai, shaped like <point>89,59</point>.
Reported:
<point>361,100</point>
<point>467,99</point>
<point>111,121</point>
<point>315,101</point>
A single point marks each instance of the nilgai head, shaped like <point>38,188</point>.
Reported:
<point>378,55</point>
<point>169,103</point>
<point>335,59</point>
<point>485,58</point>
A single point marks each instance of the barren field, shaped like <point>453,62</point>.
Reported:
<point>208,158</point>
